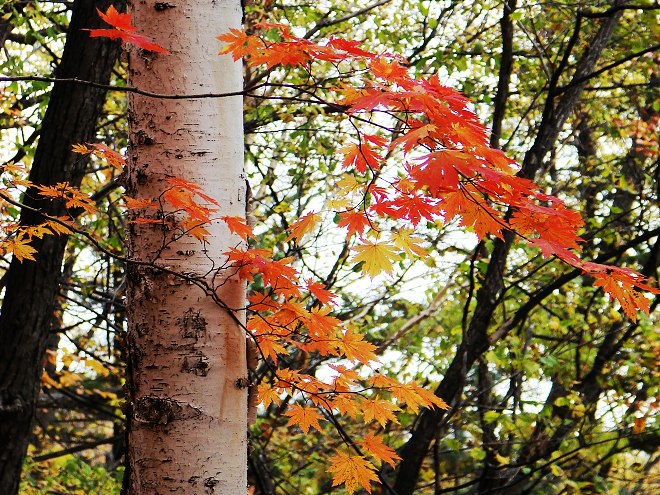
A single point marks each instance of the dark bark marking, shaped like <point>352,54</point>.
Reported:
<point>192,324</point>
<point>197,364</point>
<point>161,410</point>
<point>161,6</point>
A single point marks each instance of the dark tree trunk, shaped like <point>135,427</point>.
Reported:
<point>31,287</point>
<point>560,103</point>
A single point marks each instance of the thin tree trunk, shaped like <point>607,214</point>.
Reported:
<point>187,427</point>
<point>32,285</point>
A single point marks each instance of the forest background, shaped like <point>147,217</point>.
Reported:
<point>552,388</point>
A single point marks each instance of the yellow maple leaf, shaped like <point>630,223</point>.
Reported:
<point>379,450</point>
<point>376,256</point>
<point>346,404</point>
<point>57,227</point>
<point>15,168</point>
<point>353,471</point>
<point>303,225</point>
<point>37,231</point>
<point>431,399</point>
<point>408,395</point>
<point>81,149</point>
<point>20,247</point>
<point>304,417</point>
<point>404,240</point>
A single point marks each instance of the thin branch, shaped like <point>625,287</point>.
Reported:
<point>76,448</point>
<point>598,72</point>
<point>129,89</point>
<point>325,22</point>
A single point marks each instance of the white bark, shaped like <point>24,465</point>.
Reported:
<point>186,355</point>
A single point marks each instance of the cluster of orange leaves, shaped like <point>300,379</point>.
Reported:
<point>124,30</point>
<point>16,237</point>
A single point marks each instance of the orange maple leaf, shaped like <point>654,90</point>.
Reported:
<point>238,225</point>
<point>111,156</point>
<point>304,417</point>
<point>57,227</point>
<point>379,410</point>
<point>180,199</point>
<point>285,54</point>
<point>303,225</point>
<point>270,347</point>
<point>132,203</point>
<point>123,30</point>
<point>355,348</point>
<point>72,196</point>
<point>319,291</point>
<point>237,43</point>
<point>389,70</point>
<point>378,449</point>
<point>195,228</point>
<point>320,324</point>
<point>624,285</point>
<point>362,156</point>
<point>267,394</point>
<point>353,471</point>
<point>19,246</point>
<point>355,221</point>
<point>192,188</point>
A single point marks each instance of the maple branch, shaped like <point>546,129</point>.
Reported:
<point>536,298</point>
<point>606,13</point>
<point>415,320</point>
<point>554,116</point>
<point>427,38</point>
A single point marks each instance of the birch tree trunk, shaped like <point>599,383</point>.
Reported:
<point>186,356</point>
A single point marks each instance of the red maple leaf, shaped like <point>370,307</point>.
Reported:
<point>123,30</point>
<point>354,221</point>
<point>362,156</point>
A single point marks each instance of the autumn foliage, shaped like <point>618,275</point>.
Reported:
<point>437,167</point>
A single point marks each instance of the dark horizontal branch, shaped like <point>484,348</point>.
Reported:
<point>536,298</point>
<point>75,448</point>
<point>130,89</point>
<point>598,72</point>
<point>617,8</point>
<point>326,22</point>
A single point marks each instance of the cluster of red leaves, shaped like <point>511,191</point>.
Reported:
<point>123,29</point>
<point>449,172</point>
